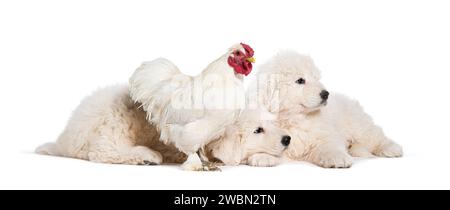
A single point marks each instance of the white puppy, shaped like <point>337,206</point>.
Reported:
<point>327,129</point>
<point>108,127</point>
<point>253,140</point>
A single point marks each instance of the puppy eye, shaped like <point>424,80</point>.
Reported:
<point>258,130</point>
<point>300,81</point>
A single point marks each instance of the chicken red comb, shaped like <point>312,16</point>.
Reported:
<point>248,50</point>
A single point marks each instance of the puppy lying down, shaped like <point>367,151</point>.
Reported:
<point>108,127</point>
<point>327,129</point>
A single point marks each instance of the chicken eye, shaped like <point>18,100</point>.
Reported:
<point>258,130</point>
<point>238,53</point>
<point>300,81</point>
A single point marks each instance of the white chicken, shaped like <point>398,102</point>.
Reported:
<point>191,111</point>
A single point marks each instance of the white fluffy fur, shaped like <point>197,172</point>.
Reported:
<point>108,127</point>
<point>189,111</point>
<point>325,134</point>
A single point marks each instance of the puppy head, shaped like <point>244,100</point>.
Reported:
<point>291,81</point>
<point>252,133</point>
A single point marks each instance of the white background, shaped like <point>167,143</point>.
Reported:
<point>391,55</point>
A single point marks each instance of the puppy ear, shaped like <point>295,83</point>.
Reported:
<point>228,149</point>
<point>268,92</point>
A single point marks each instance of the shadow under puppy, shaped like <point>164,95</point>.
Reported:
<point>108,127</point>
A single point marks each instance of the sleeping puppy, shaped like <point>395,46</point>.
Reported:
<point>327,129</point>
<point>108,127</point>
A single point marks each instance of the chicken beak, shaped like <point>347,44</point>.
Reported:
<point>251,59</point>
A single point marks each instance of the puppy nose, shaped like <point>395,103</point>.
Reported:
<point>324,95</point>
<point>286,140</point>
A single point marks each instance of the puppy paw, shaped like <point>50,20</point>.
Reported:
<point>390,150</point>
<point>138,155</point>
<point>263,160</point>
<point>359,151</point>
<point>147,163</point>
<point>334,159</point>
<point>143,156</point>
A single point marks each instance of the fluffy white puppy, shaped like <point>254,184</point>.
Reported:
<point>253,140</point>
<point>326,129</point>
<point>108,127</point>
